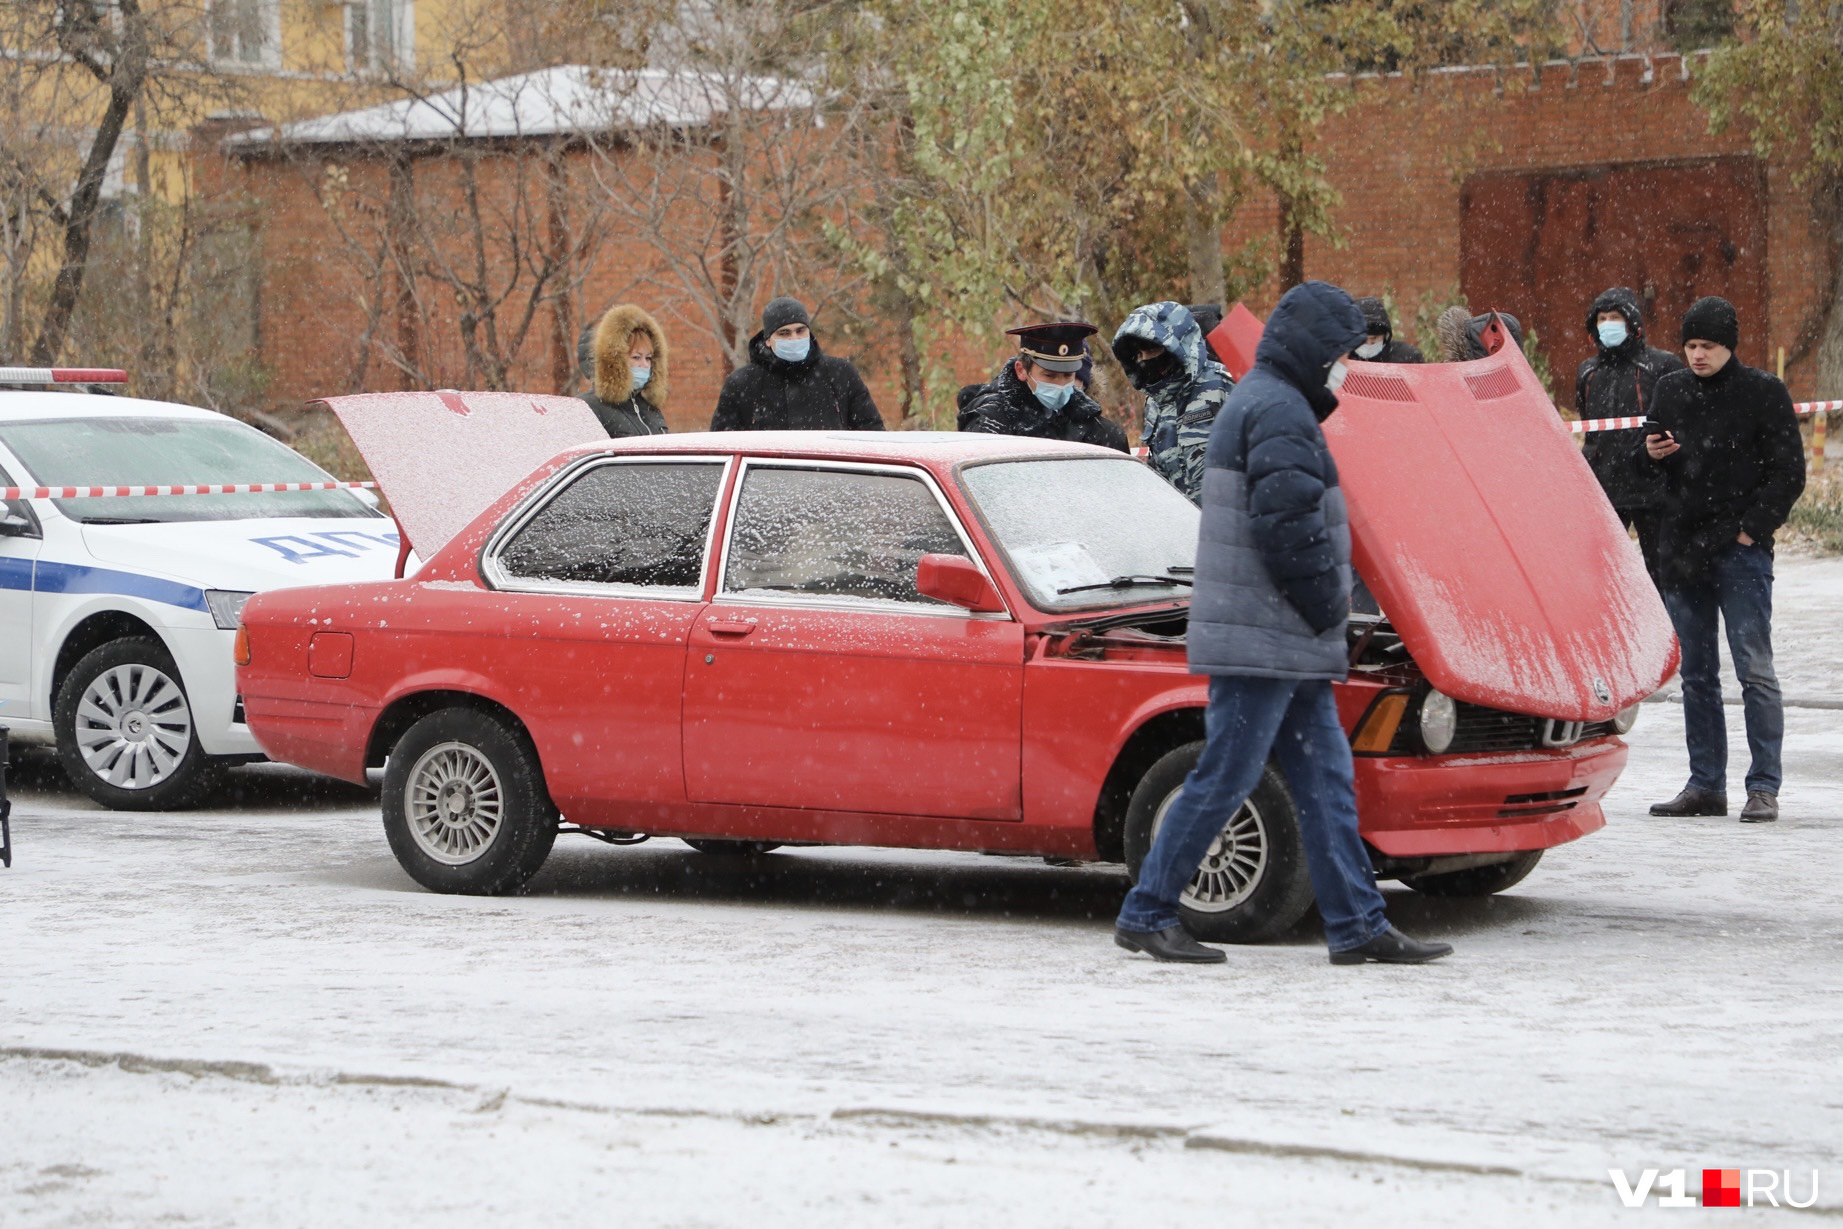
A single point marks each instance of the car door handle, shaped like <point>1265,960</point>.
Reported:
<point>729,627</point>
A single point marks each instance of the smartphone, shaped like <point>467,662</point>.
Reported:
<point>1654,427</point>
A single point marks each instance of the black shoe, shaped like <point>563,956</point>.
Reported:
<point>1761,808</point>
<point>1393,947</point>
<point>1172,943</point>
<point>1692,801</point>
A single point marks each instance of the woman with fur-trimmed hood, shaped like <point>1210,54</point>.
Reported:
<point>623,361</point>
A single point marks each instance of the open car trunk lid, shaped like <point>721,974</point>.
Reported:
<point>443,457</point>
<point>1480,529</point>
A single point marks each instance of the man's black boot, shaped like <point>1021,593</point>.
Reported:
<point>1172,943</point>
<point>1692,801</point>
<point>1761,808</point>
<point>1393,947</point>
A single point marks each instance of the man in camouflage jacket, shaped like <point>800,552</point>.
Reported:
<point>1162,350</point>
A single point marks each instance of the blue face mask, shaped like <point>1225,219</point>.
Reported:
<point>1612,333</point>
<point>1054,396</point>
<point>792,349</point>
<point>641,376</point>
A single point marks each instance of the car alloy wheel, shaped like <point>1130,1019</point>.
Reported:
<point>133,726</point>
<point>454,802</point>
<point>1233,865</point>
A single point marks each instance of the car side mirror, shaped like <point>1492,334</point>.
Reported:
<point>956,580</point>
<point>16,522</point>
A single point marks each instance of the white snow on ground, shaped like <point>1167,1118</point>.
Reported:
<point>249,1016</point>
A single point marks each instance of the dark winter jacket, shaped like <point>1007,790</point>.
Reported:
<point>1740,469</point>
<point>1006,406</point>
<point>818,393</point>
<point>601,355</point>
<point>1397,352</point>
<point>1273,554</point>
<point>1619,383</point>
<point>1180,408</point>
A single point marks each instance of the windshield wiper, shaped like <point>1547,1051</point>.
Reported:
<point>1126,582</point>
<point>119,520</point>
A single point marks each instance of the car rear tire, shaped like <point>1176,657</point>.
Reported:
<point>125,730</point>
<point>1252,884</point>
<point>466,810</point>
<point>1478,880</point>
<point>727,848</point>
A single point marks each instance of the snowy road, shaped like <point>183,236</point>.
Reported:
<point>249,1016</point>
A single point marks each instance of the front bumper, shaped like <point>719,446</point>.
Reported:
<point>1438,806</point>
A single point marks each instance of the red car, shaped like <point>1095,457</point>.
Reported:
<point>947,642</point>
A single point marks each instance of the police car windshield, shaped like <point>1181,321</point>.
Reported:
<point>1086,532</point>
<point>170,452</point>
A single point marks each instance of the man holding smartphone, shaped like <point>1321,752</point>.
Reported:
<point>1725,439</point>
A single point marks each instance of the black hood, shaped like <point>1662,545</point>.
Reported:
<point>1618,299</point>
<point>1313,326</point>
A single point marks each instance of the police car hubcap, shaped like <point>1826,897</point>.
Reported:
<point>133,726</point>
<point>1232,866</point>
<point>454,803</point>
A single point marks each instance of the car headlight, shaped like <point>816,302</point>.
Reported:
<point>1625,719</point>
<point>1439,721</point>
<point>226,606</point>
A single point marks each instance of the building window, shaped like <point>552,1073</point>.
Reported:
<point>380,35</point>
<point>246,32</point>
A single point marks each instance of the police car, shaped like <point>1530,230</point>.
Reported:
<point>118,613</point>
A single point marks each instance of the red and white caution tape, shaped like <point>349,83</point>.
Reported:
<point>1802,409</point>
<point>117,492</point>
<point>62,375</point>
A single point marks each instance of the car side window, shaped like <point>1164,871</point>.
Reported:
<point>17,520</point>
<point>621,524</point>
<point>840,533</point>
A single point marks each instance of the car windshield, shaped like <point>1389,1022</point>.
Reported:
<point>1085,532</point>
<point>171,452</point>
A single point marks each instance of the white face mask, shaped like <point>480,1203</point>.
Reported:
<point>1334,380</point>
<point>1369,349</point>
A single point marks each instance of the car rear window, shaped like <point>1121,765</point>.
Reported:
<point>621,524</point>
<point>171,452</point>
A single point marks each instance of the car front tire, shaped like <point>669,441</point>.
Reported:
<point>125,729</point>
<point>1252,884</point>
<point>1478,880</point>
<point>466,810</point>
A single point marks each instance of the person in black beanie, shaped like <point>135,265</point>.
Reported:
<point>789,385</point>
<point>1725,439</point>
<point>1379,344</point>
<point>1620,381</point>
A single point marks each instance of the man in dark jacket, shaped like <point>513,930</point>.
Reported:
<point>1733,464</point>
<point>1161,348</point>
<point>1379,344</point>
<point>623,360</point>
<point>1038,393</point>
<point>1619,382</point>
<point>1267,624</point>
<point>790,386</point>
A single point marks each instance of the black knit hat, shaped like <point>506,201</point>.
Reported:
<point>782,312</point>
<point>1711,319</point>
<point>1375,316</point>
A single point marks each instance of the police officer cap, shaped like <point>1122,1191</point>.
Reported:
<point>1054,347</point>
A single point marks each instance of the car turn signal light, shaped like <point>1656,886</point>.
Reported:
<point>1376,733</point>
<point>241,652</point>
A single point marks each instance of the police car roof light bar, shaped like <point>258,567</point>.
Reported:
<point>63,375</point>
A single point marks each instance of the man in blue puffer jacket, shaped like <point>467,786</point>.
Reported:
<point>1267,624</point>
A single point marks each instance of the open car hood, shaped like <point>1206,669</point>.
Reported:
<point>442,458</point>
<point>1478,526</point>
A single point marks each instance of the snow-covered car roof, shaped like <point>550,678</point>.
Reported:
<point>32,404</point>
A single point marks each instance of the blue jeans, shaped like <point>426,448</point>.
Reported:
<point>1741,596</point>
<point>1296,722</point>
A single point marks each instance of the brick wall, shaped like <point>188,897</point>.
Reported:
<point>1399,156</point>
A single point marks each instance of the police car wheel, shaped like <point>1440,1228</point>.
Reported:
<point>1478,880</point>
<point>733,849</point>
<point>466,810</point>
<point>1252,884</point>
<point>125,729</point>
